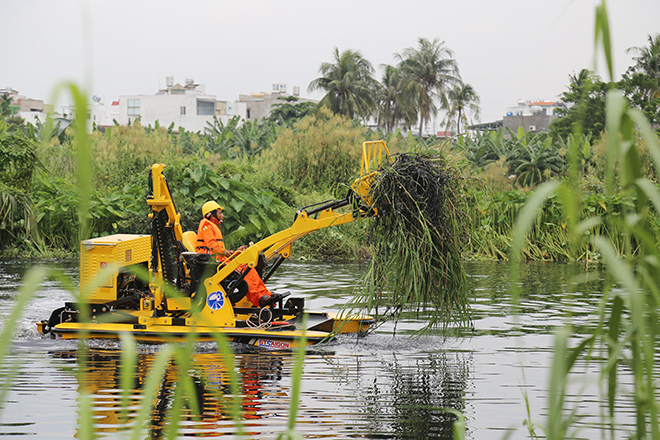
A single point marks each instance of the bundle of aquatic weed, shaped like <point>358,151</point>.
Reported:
<point>416,238</point>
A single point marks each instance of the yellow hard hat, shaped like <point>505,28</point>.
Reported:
<point>209,206</point>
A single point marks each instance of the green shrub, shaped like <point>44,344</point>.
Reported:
<point>250,214</point>
<point>125,153</point>
<point>318,152</point>
<point>18,160</point>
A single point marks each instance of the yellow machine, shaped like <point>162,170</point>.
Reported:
<point>157,288</point>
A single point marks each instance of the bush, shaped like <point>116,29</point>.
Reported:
<point>18,161</point>
<point>126,152</point>
<point>318,152</point>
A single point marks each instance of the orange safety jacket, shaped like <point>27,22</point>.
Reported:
<point>209,239</point>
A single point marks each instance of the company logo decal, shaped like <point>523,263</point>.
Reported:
<point>266,343</point>
<point>215,300</point>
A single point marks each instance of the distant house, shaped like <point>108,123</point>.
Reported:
<point>259,105</point>
<point>532,116</point>
<point>27,108</point>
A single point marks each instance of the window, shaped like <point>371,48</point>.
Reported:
<point>183,110</point>
<point>247,113</point>
<point>133,107</point>
<point>205,108</point>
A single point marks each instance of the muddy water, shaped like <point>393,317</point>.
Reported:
<point>383,386</point>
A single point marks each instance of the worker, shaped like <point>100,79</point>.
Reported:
<point>209,241</point>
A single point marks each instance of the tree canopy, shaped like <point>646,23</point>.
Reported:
<point>289,110</point>
<point>349,84</point>
<point>411,92</point>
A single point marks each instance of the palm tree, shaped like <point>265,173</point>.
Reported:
<point>580,79</point>
<point>394,107</point>
<point>348,83</point>
<point>648,60</point>
<point>429,70</point>
<point>462,99</point>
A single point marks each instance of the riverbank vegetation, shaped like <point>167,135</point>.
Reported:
<point>313,159</point>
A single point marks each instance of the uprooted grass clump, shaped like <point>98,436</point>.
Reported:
<point>416,237</point>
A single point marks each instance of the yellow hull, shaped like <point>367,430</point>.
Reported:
<point>322,328</point>
<point>272,339</point>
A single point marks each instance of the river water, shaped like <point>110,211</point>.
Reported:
<point>387,385</point>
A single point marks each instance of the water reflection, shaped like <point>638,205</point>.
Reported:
<point>389,395</point>
<point>382,386</point>
<point>549,295</point>
<point>413,405</point>
<point>206,412</point>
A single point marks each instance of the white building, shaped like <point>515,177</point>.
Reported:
<point>528,108</point>
<point>186,106</point>
<point>101,115</point>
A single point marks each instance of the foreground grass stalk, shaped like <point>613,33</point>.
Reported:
<point>629,321</point>
<point>296,379</point>
<point>128,368</point>
<point>235,404</point>
<point>150,391</point>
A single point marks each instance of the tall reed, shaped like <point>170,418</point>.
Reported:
<point>628,330</point>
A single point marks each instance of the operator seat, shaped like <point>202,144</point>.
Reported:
<point>189,239</point>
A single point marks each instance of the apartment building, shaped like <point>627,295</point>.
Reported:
<point>186,106</point>
<point>27,108</point>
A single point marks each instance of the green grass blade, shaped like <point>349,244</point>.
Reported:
<point>523,225</point>
<point>150,390</point>
<point>127,371</point>
<point>614,347</point>
<point>603,37</point>
<point>235,405</point>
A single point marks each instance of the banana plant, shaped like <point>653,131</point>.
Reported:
<point>536,160</point>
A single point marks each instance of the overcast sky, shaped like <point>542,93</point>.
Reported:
<point>506,49</point>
